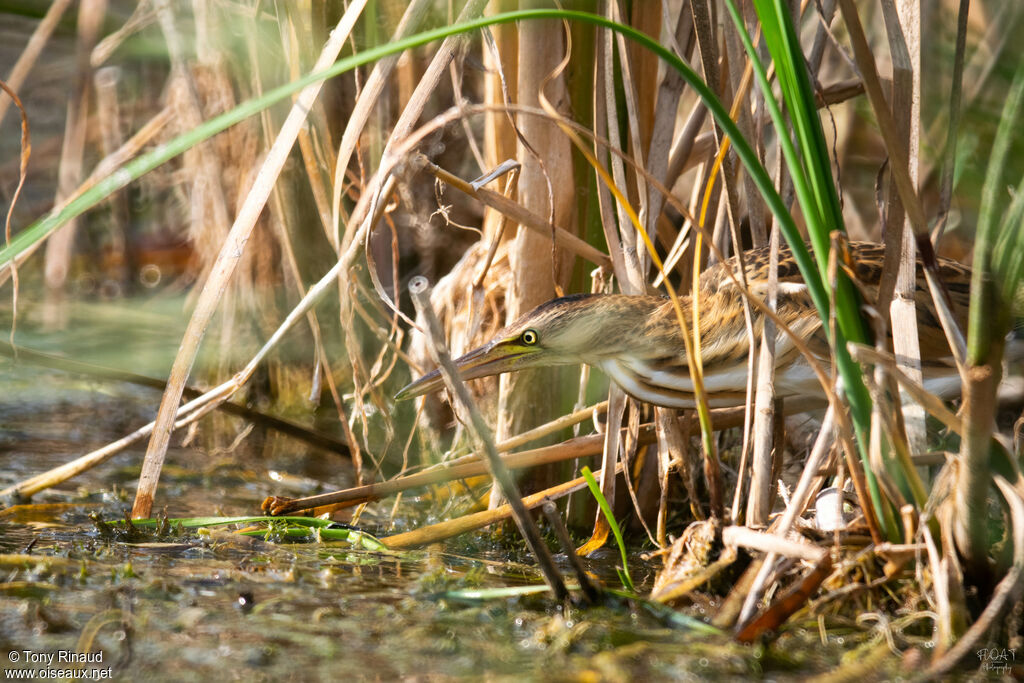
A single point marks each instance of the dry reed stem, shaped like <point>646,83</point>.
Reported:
<point>279,204</point>
<point>604,198</point>
<point>932,403</point>
<point>629,261</point>
<point>707,40</point>
<point>638,111</point>
<point>669,93</point>
<point>622,245</point>
<point>899,167</point>
<point>108,112</point>
<point>759,502</point>
<point>741,73</point>
<point>368,97</point>
<point>610,461</point>
<point>805,488</point>
<point>631,279</point>
<point>671,446</point>
<point>826,10</point>
<point>1007,592</point>
<point>553,426</point>
<point>771,543</point>
<point>940,576</point>
<point>143,16</point>
<point>60,245</point>
<point>224,267</point>
<point>460,525</point>
<point>537,273</point>
<point>463,468</point>
<point>899,280</point>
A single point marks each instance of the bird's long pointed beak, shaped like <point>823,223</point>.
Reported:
<point>489,359</point>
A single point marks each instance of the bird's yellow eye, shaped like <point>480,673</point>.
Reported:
<point>529,337</point>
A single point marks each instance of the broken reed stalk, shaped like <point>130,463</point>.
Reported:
<point>759,503</point>
<point>468,466</point>
<point>419,289</point>
<point>772,543</point>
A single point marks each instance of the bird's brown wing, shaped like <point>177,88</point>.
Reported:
<point>865,263</point>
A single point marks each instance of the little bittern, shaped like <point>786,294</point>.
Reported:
<point>637,341</point>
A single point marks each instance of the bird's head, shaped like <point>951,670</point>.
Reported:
<point>580,328</point>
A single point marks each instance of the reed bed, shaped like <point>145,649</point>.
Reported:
<point>317,156</point>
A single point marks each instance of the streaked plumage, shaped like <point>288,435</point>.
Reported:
<point>637,342</point>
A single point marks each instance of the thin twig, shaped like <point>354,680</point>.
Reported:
<point>562,534</point>
<point>419,289</point>
<point>521,215</point>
